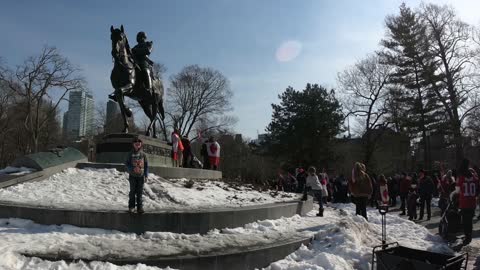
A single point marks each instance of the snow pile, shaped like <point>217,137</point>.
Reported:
<point>16,170</point>
<point>24,236</point>
<point>32,238</point>
<point>107,189</point>
<point>12,261</point>
<point>348,243</point>
<point>342,241</point>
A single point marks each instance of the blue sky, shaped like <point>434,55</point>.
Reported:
<point>238,38</point>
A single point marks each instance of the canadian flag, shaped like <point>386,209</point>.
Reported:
<point>213,149</point>
<point>384,194</point>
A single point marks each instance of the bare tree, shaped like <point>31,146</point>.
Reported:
<point>454,82</point>
<point>159,69</point>
<point>42,79</point>
<point>214,126</point>
<point>100,120</point>
<point>365,92</point>
<point>198,94</point>
<point>6,99</point>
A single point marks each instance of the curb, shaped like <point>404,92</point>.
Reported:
<point>252,258</point>
<point>189,222</point>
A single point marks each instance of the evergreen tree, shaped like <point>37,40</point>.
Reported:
<point>304,125</point>
<point>407,50</point>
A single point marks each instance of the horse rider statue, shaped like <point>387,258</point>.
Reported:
<point>140,52</point>
<point>132,76</point>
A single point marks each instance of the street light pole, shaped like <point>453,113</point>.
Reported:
<point>429,152</point>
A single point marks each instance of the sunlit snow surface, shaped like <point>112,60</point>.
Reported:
<point>107,189</point>
<point>343,241</point>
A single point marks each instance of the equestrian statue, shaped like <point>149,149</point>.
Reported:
<point>132,77</point>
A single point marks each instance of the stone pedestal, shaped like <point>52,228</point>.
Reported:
<point>114,148</point>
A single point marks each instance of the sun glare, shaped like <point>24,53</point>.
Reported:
<point>288,50</point>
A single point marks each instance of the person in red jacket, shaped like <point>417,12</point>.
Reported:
<point>404,187</point>
<point>444,187</point>
<point>468,188</point>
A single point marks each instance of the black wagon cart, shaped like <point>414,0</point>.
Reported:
<point>392,256</point>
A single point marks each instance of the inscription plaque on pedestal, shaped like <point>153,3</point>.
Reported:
<point>114,148</point>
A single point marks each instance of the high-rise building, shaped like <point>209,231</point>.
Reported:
<point>89,115</point>
<point>78,120</point>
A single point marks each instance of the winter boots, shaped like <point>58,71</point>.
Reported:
<point>320,212</point>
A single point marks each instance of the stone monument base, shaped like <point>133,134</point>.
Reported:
<point>114,148</point>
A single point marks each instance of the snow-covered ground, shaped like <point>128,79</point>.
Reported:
<point>16,170</point>
<point>342,241</point>
<point>107,189</point>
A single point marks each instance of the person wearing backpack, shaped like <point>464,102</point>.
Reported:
<point>361,188</point>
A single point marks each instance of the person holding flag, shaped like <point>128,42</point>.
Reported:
<point>383,199</point>
<point>213,151</point>
<point>177,149</point>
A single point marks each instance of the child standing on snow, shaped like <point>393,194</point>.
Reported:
<point>314,185</point>
<point>137,168</point>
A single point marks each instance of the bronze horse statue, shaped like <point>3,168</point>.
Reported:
<point>127,84</point>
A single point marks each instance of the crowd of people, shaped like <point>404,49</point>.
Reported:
<point>182,154</point>
<point>412,193</point>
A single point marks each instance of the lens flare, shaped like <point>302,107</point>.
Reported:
<point>288,50</point>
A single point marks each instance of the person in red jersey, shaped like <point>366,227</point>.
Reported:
<point>468,188</point>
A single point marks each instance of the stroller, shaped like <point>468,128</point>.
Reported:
<point>451,221</point>
<point>392,256</point>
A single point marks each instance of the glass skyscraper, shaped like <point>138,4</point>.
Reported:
<point>78,120</point>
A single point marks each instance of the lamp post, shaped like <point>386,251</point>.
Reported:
<point>428,150</point>
<point>412,155</point>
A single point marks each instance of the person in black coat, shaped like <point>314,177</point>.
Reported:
<point>301,180</point>
<point>393,184</point>
<point>425,190</point>
<point>341,189</point>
